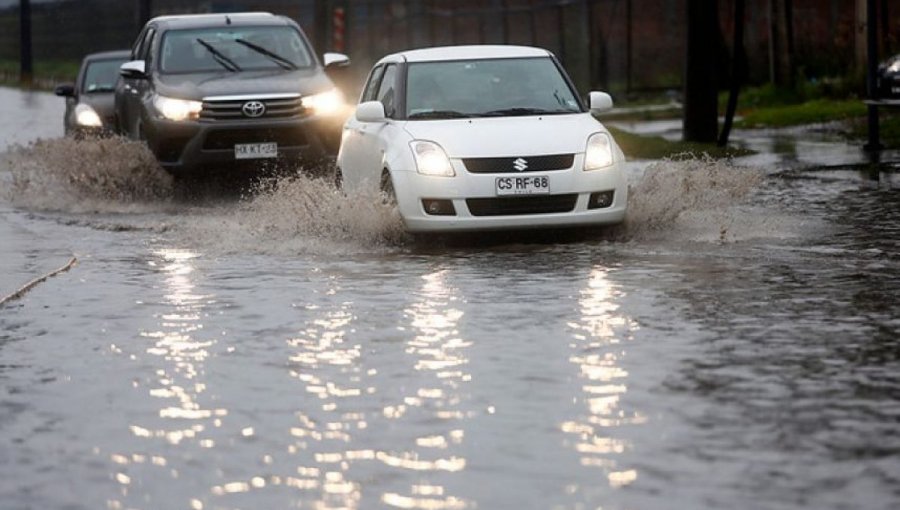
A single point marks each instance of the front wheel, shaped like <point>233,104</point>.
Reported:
<point>387,188</point>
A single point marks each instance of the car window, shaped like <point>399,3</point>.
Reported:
<point>233,49</point>
<point>488,87</point>
<point>101,75</point>
<point>139,52</point>
<point>372,85</point>
<point>138,43</point>
<point>386,89</point>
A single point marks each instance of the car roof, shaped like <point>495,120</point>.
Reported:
<point>468,52</point>
<point>103,55</point>
<point>219,19</point>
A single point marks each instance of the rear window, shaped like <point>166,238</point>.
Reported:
<point>233,49</point>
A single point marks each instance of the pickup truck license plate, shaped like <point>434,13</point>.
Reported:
<point>522,185</point>
<point>255,150</point>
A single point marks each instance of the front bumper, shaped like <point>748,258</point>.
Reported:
<point>573,186</point>
<point>185,146</point>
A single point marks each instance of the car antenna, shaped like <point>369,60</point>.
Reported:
<point>227,20</point>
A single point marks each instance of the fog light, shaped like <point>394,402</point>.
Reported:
<point>601,199</point>
<point>435,207</point>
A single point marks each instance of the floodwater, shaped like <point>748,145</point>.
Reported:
<point>736,345</point>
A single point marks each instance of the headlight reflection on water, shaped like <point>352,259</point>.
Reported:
<point>598,352</point>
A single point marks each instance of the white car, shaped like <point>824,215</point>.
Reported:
<point>480,138</point>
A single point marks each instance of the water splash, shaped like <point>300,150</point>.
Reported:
<point>701,196</point>
<point>93,175</point>
<point>699,199</point>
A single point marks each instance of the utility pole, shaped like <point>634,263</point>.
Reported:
<point>700,91</point>
<point>144,9</point>
<point>26,70</point>
<point>320,24</point>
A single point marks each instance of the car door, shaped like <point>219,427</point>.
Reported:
<point>350,157</point>
<point>369,140</point>
<point>129,101</point>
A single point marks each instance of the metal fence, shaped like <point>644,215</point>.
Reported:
<point>617,45</point>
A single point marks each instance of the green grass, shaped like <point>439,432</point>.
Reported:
<point>656,147</point>
<point>810,112</point>
<point>47,73</point>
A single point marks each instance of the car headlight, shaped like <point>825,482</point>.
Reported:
<point>177,109</point>
<point>431,159</point>
<point>86,116</point>
<point>599,152</point>
<point>325,103</point>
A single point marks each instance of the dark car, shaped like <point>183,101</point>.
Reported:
<point>211,90</point>
<point>90,104</point>
<point>889,78</point>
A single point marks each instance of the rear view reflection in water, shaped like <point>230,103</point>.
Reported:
<point>600,344</point>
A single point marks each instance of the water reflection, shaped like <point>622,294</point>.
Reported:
<point>177,381</point>
<point>329,366</point>
<point>599,350</point>
<point>440,362</point>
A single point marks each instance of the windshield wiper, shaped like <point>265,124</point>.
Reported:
<point>439,114</point>
<point>523,111</point>
<point>220,57</point>
<point>274,57</point>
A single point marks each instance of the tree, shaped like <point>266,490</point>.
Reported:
<point>700,88</point>
<point>26,71</point>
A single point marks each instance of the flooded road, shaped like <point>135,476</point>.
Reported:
<point>735,346</point>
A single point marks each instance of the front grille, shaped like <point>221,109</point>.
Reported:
<point>509,206</point>
<point>519,164</point>
<point>226,139</point>
<point>232,109</point>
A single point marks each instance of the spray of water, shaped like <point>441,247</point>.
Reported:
<point>94,175</point>
<point>698,196</point>
<point>697,199</point>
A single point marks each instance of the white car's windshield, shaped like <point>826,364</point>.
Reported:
<point>233,49</point>
<point>485,88</point>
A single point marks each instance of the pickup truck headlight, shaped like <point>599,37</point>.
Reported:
<point>326,103</point>
<point>177,109</point>
<point>431,159</point>
<point>599,152</point>
<point>86,116</point>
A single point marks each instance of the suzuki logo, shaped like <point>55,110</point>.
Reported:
<point>253,109</point>
<point>520,164</point>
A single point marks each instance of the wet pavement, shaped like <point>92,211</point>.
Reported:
<point>736,345</point>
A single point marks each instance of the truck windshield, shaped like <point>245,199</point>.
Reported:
<point>234,49</point>
<point>487,88</point>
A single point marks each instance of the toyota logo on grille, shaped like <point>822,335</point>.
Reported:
<point>520,164</point>
<point>253,109</point>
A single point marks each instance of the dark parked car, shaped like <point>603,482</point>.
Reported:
<point>211,90</point>
<point>889,78</point>
<point>90,108</point>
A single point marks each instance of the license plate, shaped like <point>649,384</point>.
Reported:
<point>522,185</point>
<point>895,90</point>
<point>255,150</point>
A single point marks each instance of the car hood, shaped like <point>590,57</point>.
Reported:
<point>102,102</point>
<point>196,86</point>
<point>508,136</point>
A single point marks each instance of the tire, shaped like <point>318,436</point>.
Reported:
<point>387,188</point>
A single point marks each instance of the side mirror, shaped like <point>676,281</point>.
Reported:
<point>336,60</point>
<point>600,102</point>
<point>65,90</point>
<point>370,111</point>
<point>136,69</point>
